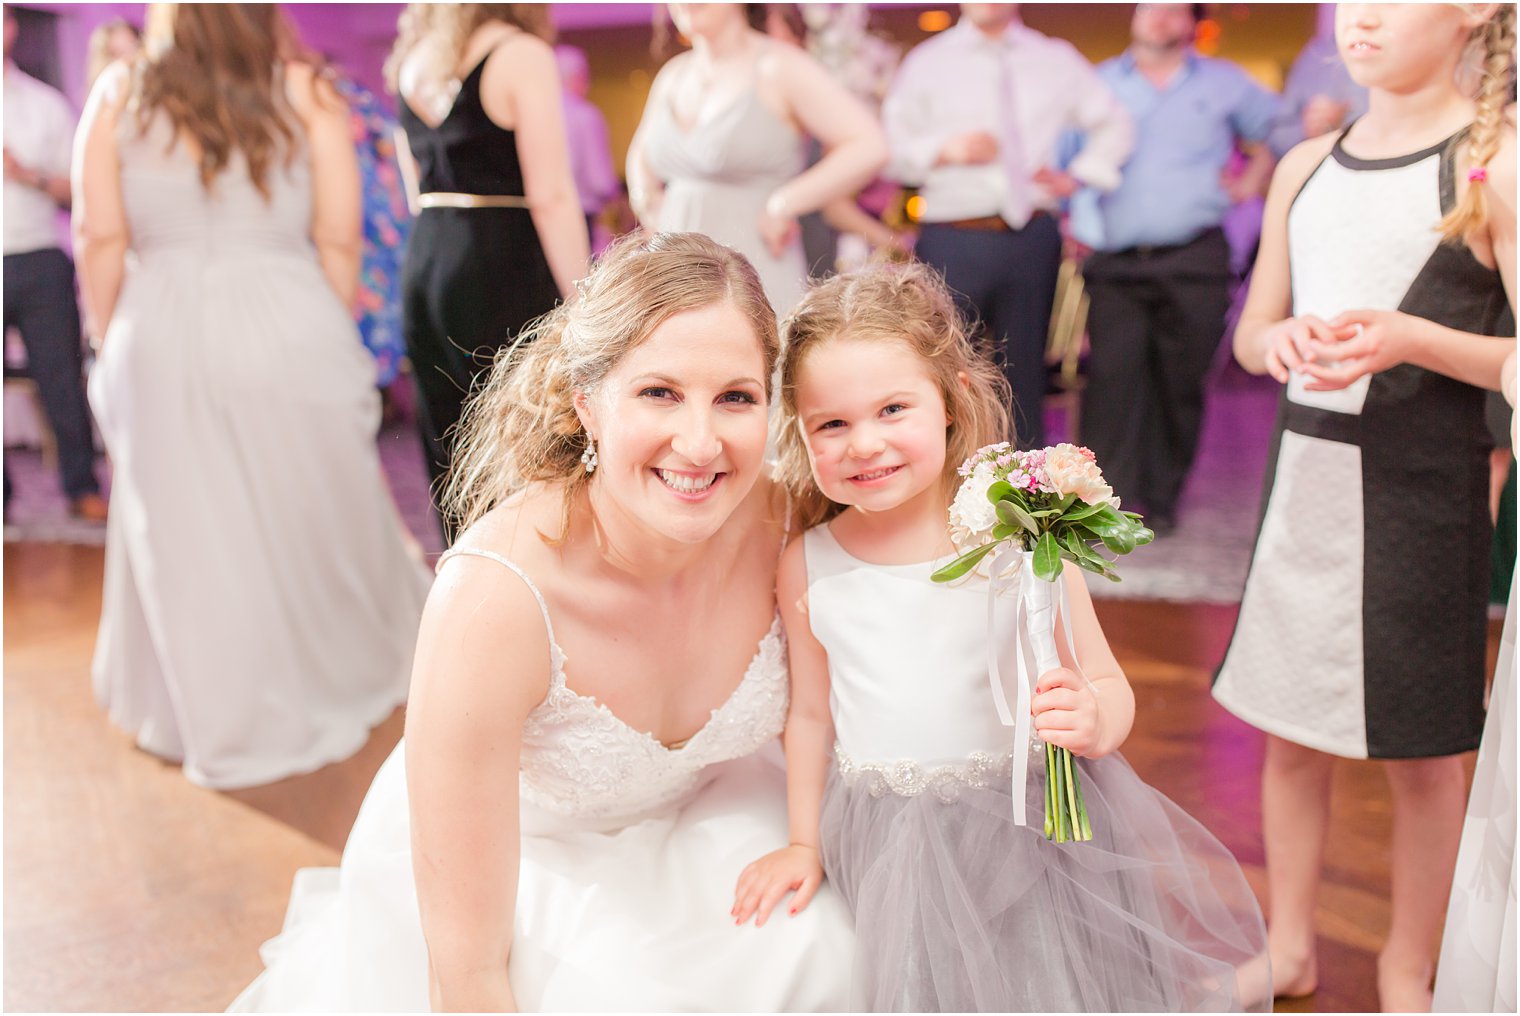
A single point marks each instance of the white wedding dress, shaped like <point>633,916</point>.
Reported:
<point>1476,972</point>
<point>630,855</point>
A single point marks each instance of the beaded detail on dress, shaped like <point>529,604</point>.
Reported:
<point>908,778</point>
<point>580,759</point>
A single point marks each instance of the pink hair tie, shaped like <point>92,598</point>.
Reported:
<point>1478,174</point>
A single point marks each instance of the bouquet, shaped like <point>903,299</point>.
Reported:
<point>1051,505</point>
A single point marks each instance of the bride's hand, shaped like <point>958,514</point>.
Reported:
<point>764,882</point>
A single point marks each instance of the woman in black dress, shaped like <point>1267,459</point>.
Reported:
<point>499,236</point>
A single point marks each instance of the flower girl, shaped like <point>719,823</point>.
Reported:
<point>957,905</point>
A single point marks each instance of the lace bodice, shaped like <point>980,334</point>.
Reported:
<point>579,759</point>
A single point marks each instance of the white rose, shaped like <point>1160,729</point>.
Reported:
<point>971,514</point>
<point>1070,471</point>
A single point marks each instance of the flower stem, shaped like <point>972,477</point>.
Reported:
<point>1050,791</point>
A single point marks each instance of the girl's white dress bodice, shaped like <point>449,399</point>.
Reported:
<point>914,692</point>
<point>630,855</point>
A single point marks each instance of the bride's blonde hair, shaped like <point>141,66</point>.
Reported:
<point>520,427</point>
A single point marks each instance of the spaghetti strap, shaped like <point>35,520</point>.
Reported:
<point>556,653</point>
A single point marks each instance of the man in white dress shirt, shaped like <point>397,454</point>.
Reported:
<point>973,119</point>
<point>39,277</point>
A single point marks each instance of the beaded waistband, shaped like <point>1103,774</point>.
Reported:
<point>908,778</point>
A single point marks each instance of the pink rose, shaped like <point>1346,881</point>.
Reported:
<point>1071,472</point>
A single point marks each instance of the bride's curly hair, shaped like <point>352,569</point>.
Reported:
<point>520,426</point>
<point>906,304</point>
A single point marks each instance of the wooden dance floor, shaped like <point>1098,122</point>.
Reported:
<point>126,888</point>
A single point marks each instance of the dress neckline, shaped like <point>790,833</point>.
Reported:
<point>454,102</point>
<point>919,566</point>
<point>558,659</point>
<point>1345,158</point>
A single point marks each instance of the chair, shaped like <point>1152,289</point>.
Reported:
<point>1066,342</point>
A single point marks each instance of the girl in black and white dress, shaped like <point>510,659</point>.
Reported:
<point>1383,271</point>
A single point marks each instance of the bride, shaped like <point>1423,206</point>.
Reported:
<point>600,677</point>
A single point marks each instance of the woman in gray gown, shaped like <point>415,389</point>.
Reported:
<point>722,145</point>
<point>260,601</point>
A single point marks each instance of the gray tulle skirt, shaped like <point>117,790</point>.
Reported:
<point>959,910</point>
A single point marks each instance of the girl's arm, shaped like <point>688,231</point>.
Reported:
<point>846,216</point>
<point>336,216</point>
<point>855,149</point>
<point>1381,339</point>
<point>101,236</point>
<point>808,739</point>
<point>526,85</point>
<point>1091,720</point>
<point>482,664</point>
<point>1267,340</point>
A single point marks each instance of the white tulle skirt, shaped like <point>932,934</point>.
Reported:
<point>631,916</point>
<point>959,910</point>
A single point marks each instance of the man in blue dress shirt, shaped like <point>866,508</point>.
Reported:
<point>1159,280</point>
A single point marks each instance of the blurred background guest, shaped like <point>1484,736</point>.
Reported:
<point>844,232</point>
<point>1160,278</point>
<point>500,236</point>
<point>39,277</point>
<point>117,39</point>
<point>722,144</point>
<point>260,604</point>
<point>386,222</point>
<point>596,179</point>
<point>974,118</point>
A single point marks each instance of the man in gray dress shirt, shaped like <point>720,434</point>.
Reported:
<point>973,119</point>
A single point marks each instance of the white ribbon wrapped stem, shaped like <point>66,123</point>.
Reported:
<point>1033,645</point>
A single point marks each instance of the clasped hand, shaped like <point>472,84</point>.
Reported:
<point>763,883</point>
<point>1338,352</point>
<point>1066,712</point>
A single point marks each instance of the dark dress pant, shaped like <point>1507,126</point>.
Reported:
<point>40,304</point>
<point>1154,323</point>
<point>1007,281</point>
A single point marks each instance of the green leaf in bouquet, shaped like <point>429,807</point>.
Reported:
<point>1066,502</point>
<point>1072,541</point>
<point>1082,510</point>
<point>1047,557</point>
<point>961,565</point>
<point>1003,531</point>
<point>1086,558</point>
<point>1120,539</point>
<point>1099,569</point>
<point>999,490</point>
<point>1108,513</point>
<point>1010,513</point>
